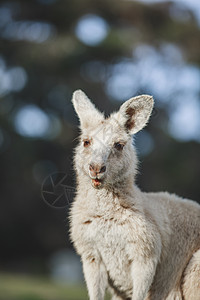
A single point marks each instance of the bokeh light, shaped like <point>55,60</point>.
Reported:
<point>31,121</point>
<point>11,79</point>
<point>91,29</point>
<point>164,74</point>
<point>150,70</point>
<point>31,31</point>
<point>184,122</point>
<point>65,267</point>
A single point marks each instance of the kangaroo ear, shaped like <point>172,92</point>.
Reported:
<point>85,109</point>
<point>135,112</point>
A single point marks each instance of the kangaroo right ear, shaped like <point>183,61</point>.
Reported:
<point>85,109</point>
<point>135,112</point>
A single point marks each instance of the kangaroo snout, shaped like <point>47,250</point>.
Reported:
<point>96,169</point>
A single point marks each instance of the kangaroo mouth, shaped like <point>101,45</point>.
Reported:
<point>97,183</point>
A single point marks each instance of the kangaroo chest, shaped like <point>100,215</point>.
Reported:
<point>111,239</point>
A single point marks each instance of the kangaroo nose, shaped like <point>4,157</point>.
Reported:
<point>95,168</point>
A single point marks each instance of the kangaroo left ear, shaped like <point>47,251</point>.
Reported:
<point>135,112</point>
<point>85,109</point>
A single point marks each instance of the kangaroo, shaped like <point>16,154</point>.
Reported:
<point>140,246</point>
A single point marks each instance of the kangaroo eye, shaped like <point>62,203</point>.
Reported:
<point>86,143</point>
<point>119,146</point>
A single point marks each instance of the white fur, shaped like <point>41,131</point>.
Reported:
<point>142,246</point>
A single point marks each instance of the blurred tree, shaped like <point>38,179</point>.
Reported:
<point>112,50</point>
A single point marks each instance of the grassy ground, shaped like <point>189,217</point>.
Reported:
<point>17,287</point>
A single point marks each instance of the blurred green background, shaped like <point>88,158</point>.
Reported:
<point>112,50</point>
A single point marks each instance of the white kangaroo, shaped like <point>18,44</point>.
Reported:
<point>141,246</point>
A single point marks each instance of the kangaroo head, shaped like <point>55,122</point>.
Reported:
<point>105,155</point>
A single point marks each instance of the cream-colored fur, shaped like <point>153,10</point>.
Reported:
<point>141,246</point>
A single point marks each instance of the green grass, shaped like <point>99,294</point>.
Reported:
<point>18,287</point>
